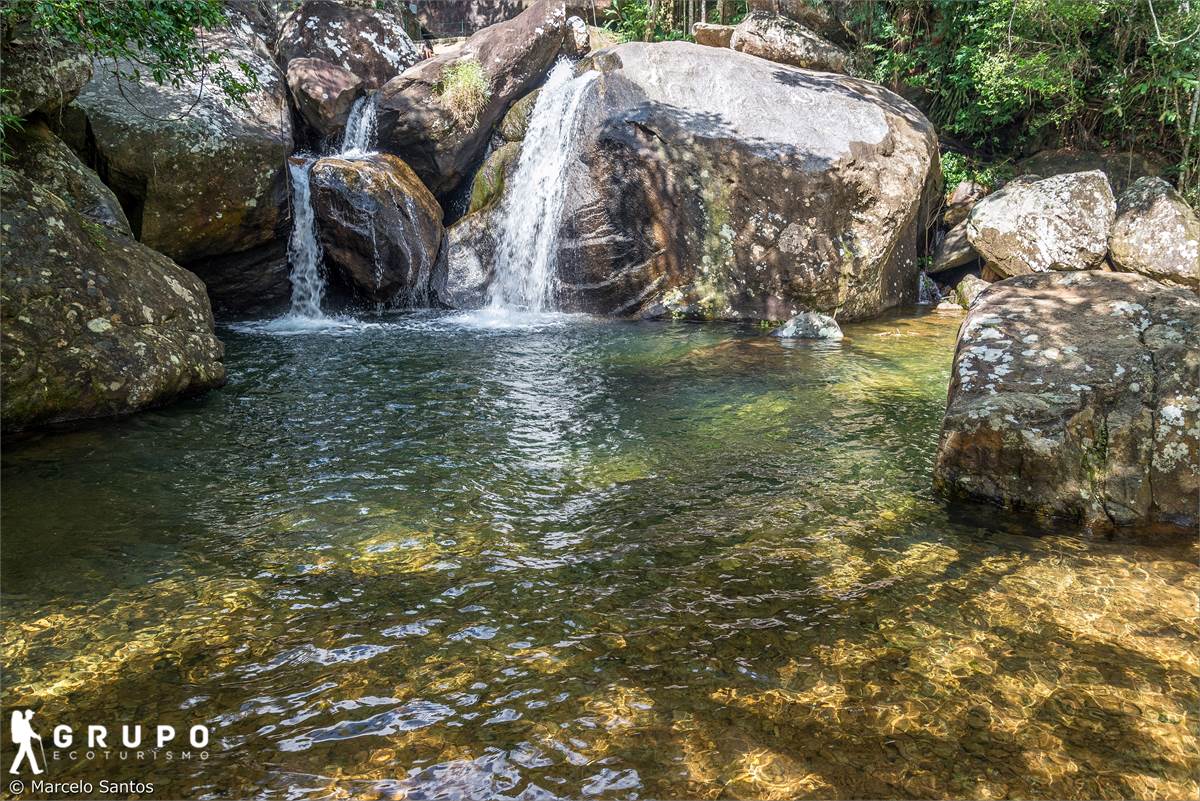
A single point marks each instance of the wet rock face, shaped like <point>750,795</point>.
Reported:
<point>95,324</point>
<point>1078,394</point>
<point>417,124</point>
<point>379,226</point>
<point>369,43</point>
<point>1157,234</point>
<point>713,184</point>
<point>1031,226</point>
<point>461,278</point>
<point>40,74</point>
<point>323,93</point>
<point>783,40</point>
<point>199,177</point>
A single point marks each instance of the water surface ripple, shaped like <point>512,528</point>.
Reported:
<point>435,557</point>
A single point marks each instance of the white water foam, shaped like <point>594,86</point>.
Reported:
<point>361,128</point>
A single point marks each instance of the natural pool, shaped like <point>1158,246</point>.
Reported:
<point>421,559</point>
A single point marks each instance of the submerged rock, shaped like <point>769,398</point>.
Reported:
<point>810,325</point>
<point>323,93</point>
<point>1031,226</point>
<point>1078,394</point>
<point>786,41</point>
<point>95,324</point>
<point>717,185</point>
<point>418,115</point>
<point>1157,234</point>
<point>369,43</point>
<point>378,225</point>
<point>198,175</point>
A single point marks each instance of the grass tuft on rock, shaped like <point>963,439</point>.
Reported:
<point>464,90</point>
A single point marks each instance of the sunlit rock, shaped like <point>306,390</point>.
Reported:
<point>1157,234</point>
<point>1078,394</point>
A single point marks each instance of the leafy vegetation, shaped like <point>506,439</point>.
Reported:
<point>672,20</point>
<point>464,89</point>
<point>957,168</point>
<point>1005,77</point>
<point>162,39</point>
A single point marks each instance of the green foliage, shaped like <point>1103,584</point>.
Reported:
<point>464,90</point>
<point>1006,75</point>
<point>957,168</point>
<point>163,39</point>
<point>628,18</point>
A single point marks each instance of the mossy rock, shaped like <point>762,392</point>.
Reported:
<point>489,181</point>
<point>516,122</point>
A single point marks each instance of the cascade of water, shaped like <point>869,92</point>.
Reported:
<point>359,137</point>
<point>304,250</point>
<point>927,291</point>
<point>526,260</point>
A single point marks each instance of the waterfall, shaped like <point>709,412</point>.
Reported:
<point>304,251</point>
<point>927,291</point>
<point>527,256</point>
<point>359,137</point>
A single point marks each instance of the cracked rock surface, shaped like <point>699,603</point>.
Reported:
<point>1078,394</point>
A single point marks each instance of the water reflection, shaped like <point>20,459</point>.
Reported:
<point>425,560</point>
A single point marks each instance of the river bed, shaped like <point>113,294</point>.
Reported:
<point>437,556</point>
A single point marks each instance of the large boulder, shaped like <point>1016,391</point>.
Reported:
<point>417,115</point>
<point>1078,394</point>
<point>1031,226</point>
<point>200,177</point>
<point>786,41</point>
<point>40,73</point>
<point>323,93</point>
<point>1156,233</point>
<point>713,184</point>
<point>95,324</point>
<point>48,162</point>
<point>367,42</point>
<point>378,225</point>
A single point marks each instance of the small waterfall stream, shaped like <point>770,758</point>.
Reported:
<point>359,136</point>
<point>526,260</point>
<point>304,249</point>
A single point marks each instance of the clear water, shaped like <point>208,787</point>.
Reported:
<point>428,557</point>
<point>527,257</point>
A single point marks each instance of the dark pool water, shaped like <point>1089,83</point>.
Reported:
<point>425,559</point>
